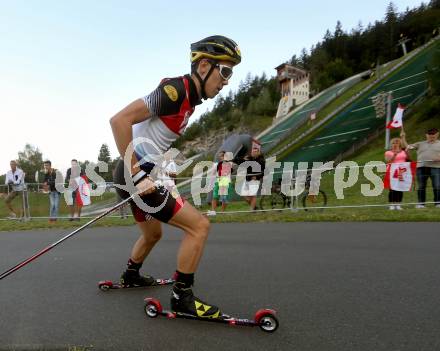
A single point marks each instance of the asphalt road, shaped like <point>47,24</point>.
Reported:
<point>336,286</point>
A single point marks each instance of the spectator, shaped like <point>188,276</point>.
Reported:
<point>222,183</point>
<point>428,166</point>
<point>14,179</point>
<point>50,175</point>
<point>215,196</point>
<point>72,174</point>
<point>123,210</point>
<point>397,154</point>
<point>253,178</point>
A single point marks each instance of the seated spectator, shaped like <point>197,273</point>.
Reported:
<point>428,166</point>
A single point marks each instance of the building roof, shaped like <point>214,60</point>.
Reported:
<point>299,70</point>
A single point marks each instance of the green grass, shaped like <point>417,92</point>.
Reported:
<point>380,214</point>
<point>39,204</point>
<point>364,214</point>
<point>34,224</point>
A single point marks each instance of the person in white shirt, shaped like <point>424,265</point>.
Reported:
<point>14,179</point>
<point>428,166</point>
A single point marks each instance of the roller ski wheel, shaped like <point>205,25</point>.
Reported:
<point>265,318</point>
<point>153,307</point>
<point>105,285</point>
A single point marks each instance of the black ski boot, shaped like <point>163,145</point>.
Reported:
<point>184,301</point>
<point>132,278</point>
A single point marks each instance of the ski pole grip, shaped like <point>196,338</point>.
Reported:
<point>138,177</point>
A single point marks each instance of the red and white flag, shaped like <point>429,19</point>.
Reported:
<point>397,121</point>
<point>83,192</point>
<point>400,176</point>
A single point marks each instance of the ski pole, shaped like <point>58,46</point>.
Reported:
<point>51,246</point>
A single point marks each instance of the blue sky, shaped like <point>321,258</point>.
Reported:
<point>67,67</point>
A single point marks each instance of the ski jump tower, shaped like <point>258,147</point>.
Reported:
<point>295,87</point>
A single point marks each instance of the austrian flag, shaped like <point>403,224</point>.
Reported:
<point>397,121</point>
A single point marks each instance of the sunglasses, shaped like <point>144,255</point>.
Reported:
<point>225,71</point>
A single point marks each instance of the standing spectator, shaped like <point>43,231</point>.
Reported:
<point>123,210</point>
<point>215,196</point>
<point>72,174</point>
<point>50,175</point>
<point>14,179</point>
<point>223,181</point>
<point>253,178</point>
<point>428,166</point>
<point>397,154</point>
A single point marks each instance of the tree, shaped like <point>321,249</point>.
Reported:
<point>391,30</point>
<point>337,71</point>
<point>30,160</point>
<point>264,104</point>
<point>338,30</point>
<point>83,165</point>
<point>305,59</point>
<point>434,4</point>
<point>294,61</point>
<point>104,154</point>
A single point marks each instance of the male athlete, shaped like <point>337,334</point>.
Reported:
<point>161,118</point>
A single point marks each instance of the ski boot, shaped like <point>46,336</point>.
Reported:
<point>184,302</point>
<point>131,278</point>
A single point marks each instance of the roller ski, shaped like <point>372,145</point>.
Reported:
<point>128,281</point>
<point>185,305</point>
<point>264,318</point>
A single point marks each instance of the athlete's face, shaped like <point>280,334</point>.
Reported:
<point>218,78</point>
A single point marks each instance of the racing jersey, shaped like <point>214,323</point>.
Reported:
<point>171,104</point>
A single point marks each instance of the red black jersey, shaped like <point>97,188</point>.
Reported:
<point>171,104</point>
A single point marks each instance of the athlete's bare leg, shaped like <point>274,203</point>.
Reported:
<point>151,234</point>
<point>196,228</point>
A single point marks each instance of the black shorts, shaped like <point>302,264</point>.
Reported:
<point>154,199</point>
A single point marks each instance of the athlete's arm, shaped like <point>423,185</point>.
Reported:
<point>122,123</point>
